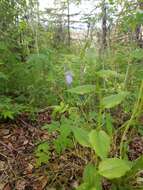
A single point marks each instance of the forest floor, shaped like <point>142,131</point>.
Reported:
<point>18,141</point>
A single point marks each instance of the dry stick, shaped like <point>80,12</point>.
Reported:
<point>3,155</point>
<point>9,148</point>
<point>9,165</point>
<point>133,116</point>
<point>5,145</point>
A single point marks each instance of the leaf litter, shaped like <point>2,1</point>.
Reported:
<point>18,141</point>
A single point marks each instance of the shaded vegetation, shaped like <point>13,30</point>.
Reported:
<point>71,110</point>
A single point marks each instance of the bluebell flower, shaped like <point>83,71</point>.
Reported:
<point>69,77</point>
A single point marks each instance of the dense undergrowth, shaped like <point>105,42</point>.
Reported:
<point>95,101</point>
<point>101,109</point>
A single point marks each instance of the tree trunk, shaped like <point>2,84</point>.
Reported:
<point>139,37</point>
<point>68,17</point>
<point>104,25</point>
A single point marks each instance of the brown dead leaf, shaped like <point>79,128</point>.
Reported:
<point>45,136</point>
<point>2,186</point>
<point>25,142</point>
<point>41,183</point>
<point>20,185</point>
<point>44,182</point>
<point>10,146</point>
<point>6,136</point>
<point>7,187</point>
<point>4,132</point>
<point>2,165</point>
<point>29,168</point>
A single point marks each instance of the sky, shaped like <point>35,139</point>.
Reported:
<point>45,4</point>
<point>83,8</point>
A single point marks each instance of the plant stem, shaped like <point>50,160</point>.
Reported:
<point>135,113</point>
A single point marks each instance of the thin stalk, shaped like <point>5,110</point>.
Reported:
<point>100,104</point>
<point>126,75</point>
<point>135,113</point>
<point>69,35</point>
<point>37,25</point>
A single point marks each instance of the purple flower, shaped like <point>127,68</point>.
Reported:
<point>69,77</point>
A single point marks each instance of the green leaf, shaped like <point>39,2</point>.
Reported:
<point>109,125</point>
<point>89,171</point>
<point>114,100</point>
<point>112,168</point>
<point>61,143</point>
<point>60,109</point>
<point>42,158</point>
<point>107,73</point>
<point>8,114</point>
<point>111,2</point>
<point>54,126</point>
<point>81,90</point>
<point>3,76</point>
<point>65,130</point>
<point>83,186</point>
<point>89,176</point>
<point>3,46</point>
<point>43,147</point>
<point>42,154</point>
<point>137,165</point>
<point>81,135</point>
<point>100,142</point>
<point>137,54</point>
